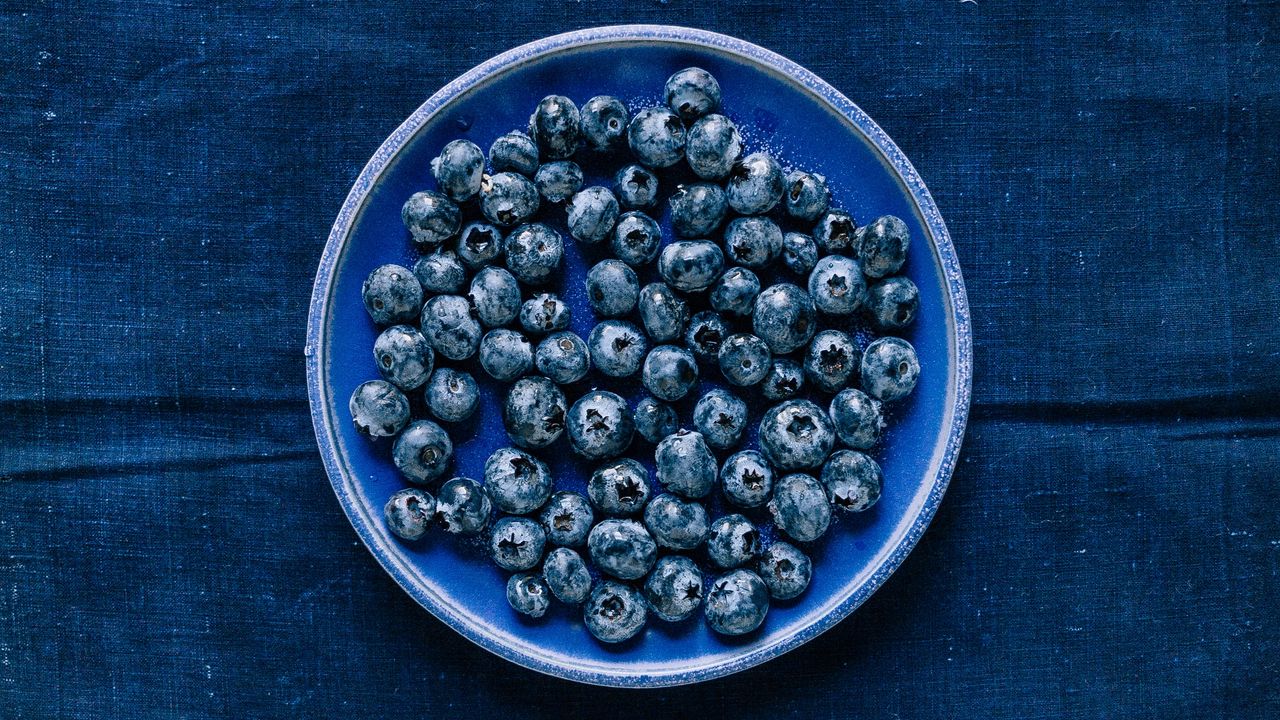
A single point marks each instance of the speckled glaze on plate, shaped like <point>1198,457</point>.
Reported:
<point>782,107</point>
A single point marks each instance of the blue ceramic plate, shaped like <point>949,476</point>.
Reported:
<point>781,107</point>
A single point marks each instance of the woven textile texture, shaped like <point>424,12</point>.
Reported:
<point>1109,547</point>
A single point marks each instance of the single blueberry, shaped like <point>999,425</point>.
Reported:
<point>676,524</point>
<point>496,295</point>
<point>746,479</point>
<point>714,146</point>
<point>670,372</point>
<point>663,313</point>
<point>735,292</point>
<point>636,239</point>
<point>784,381</point>
<point>440,272</point>
<point>514,151</point>
<point>600,425</point>
<point>744,359</point>
<point>378,409</point>
<point>452,395</point>
<point>566,575</point>
<point>784,317</point>
<point>799,253</point>
<point>685,465</point>
<point>604,122</point>
<point>622,548</point>
<point>836,285</point>
<point>449,323</point>
<point>392,295</point>
<point>882,246</point>
<point>404,357</point>
<point>785,570</point>
<point>655,419</point>
<point>567,518</point>
<point>807,195</point>
<point>858,419</point>
<point>505,354</point>
<point>737,603</point>
<point>890,369</point>
<point>534,412</point>
<point>612,288</point>
<point>831,360</point>
<point>534,253</point>
<point>795,435</point>
<point>563,357</point>
<point>463,507</point>
<point>592,214</point>
<point>656,137</point>
<point>409,512</point>
<point>674,588</point>
<point>479,244</point>
<point>692,93</point>
<point>458,169</point>
<point>558,181</point>
<point>528,595</point>
<point>617,348</point>
<point>755,184</point>
<point>800,507</point>
<point>853,480</point>
<point>554,126</point>
<point>430,217</point>
<point>516,543</point>
<point>698,209</point>
<point>706,333</point>
<point>508,199</point>
<point>518,482</point>
<point>721,417</point>
<point>691,265</point>
<point>619,488</point>
<point>733,541</point>
<point>893,302</point>
<point>835,231</point>
<point>614,612</point>
<point>545,313</point>
<point>753,241</point>
<point>423,451</point>
<point>636,187</point>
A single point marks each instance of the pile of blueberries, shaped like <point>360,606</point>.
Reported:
<point>479,290</point>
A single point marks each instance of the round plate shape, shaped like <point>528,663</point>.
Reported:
<point>782,108</point>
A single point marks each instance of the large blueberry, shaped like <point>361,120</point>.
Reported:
<point>534,412</point>
<point>691,265</point>
<point>430,217</point>
<point>566,574</point>
<point>496,295</point>
<point>558,181</point>
<point>518,482</point>
<point>892,303</point>
<point>676,524</point>
<point>622,548</point>
<point>831,360</point>
<point>452,395</point>
<point>706,333</point>
<point>713,147</point>
<point>795,435</point>
<point>785,570</point>
<point>449,323</point>
<point>378,409</point>
<point>890,369</point>
<point>836,285</point>
<point>692,93</point>
<point>800,507</point>
<point>784,381</point>
<point>554,126</point>
<point>479,244</point>
<point>592,213</point>
<point>735,292</point>
<point>685,465</point>
<point>858,419</point>
<point>567,518</point>
<point>392,295</point>
<point>514,151</point>
<point>734,540</point>
<point>737,603</point>
<point>835,231</point>
<point>423,451</point>
<point>674,588</point>
<point>528,595</point>
<point>753,241</point>
<point>534,253</point>
<point>505,354</point>
<point>563,357</point>
<point>655,419</point>
<point>508,199</point>
<point>784,317</point>
<point>441,272</point>
<point>636,239</point>
<point>853,480</point>
<point>612,288</point>
<point>882,246</point>
<point>656,137</point>
<point>517,543</point>
<point>403,356</point>
<point>458,169</point>
<point>744,359</point>
<point>663,312</point>
<point>746,479</point>
<point>698,209</point>
<point>617,348</point>
<point>799,253</point>
<point>755,184</point>
<point>670,372</point>
<point>721,417</point>
<point>614,612</point>
<point>620,487</point>
<point>604,122</point>
<point>807,195</point>
<point>600,425</point>
<point>408,513</point>
<point>463,507</point>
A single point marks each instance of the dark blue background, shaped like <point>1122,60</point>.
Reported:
<point>169,546</point>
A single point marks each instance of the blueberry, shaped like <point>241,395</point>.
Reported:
<point>706,333</point>
<point>479,244</point>
<point>697,209</point>
<point>744,359</point>
<point>600,425</point>
<point>753,241</point>
<point>676,524</point>
<point>378,409</point>
<point>784,317</point>
<point>563,357</point>
<point>462,506</point>
<point>514,151</point>
<point>784,381</point>
<point>655,419</point>
<point>714,146</point>
<point>430,217</point>
<point>604,122</point>
<point>592,212</point>
<point>636,187</point>
<point>423,451</point>
<point>890,369</point>
<point>567,518</point>
<point>692,93</point>
<point>721,417</point>
<point>566,575</point>
<point>800,507</point>
<point>534,412</point>
<point>831,360</point>
<point>558,181</point>
<point>408,513</point>
<point>458,169</point>
<point>737,603</point>
<point>785,570</point>
<point>544,313</point>
<point>636,239</point>
<point>534,253</point>
<point>612,288</point>
<point>614,612</point>
<point>440,272</point>
<point>554,126</point>
<point>755,184</point>
<point>807,195</point>
<point>857,418</point>
<point>452,395</point>
<point>496,296</point>
<point>799,253</point>
<point>674,588</point>
<point>656,137</point>
<point>508,199</point>
<point>404,357</point>
<point>505,354</point>
<point>392,295</point>
<point>622,548</point>
<point>516,543</point>
<point>528,595</point>
<point>795,435</point>
<point>733,541</point>
<point>691,265</point>
<point>518,483</point>
<point>882,246</point>
<point>670,372</point>
<point>853,480</point>
<point>617,348</point>
<point>449,323</point>
<point>685,464</point>
<point>735,292</point>
<point>893,302</point>
<point>619,488</point>
<point>836,285</point>
<point>835,231</point>
<point>746,479</point>
<point>663,313</point>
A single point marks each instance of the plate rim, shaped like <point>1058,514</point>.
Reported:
<point>959,384</point>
